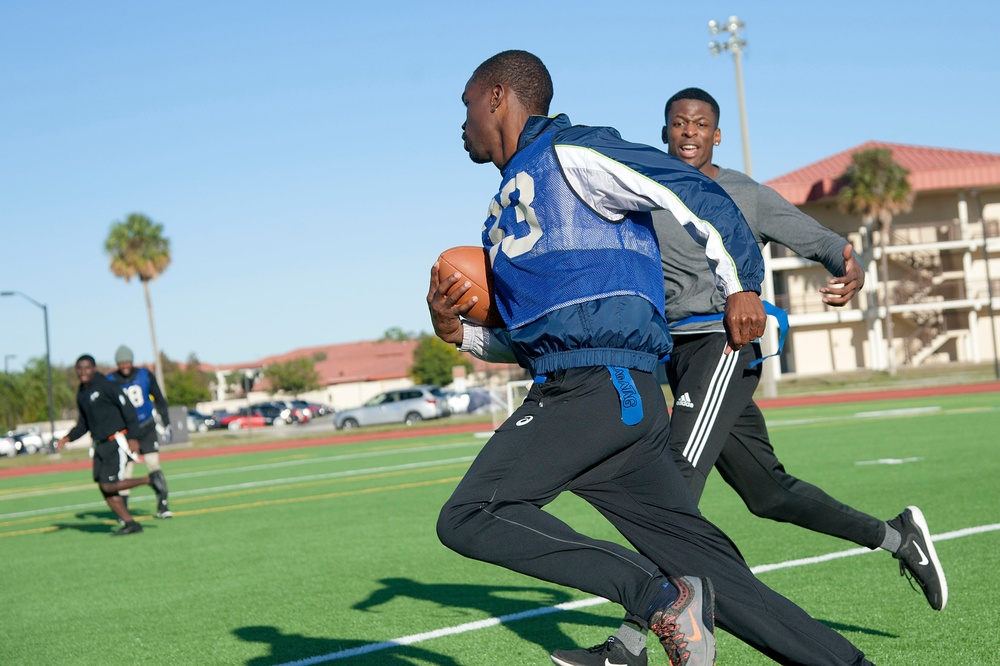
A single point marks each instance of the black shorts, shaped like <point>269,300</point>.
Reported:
<point>148,442</point>
<point>109,462</point>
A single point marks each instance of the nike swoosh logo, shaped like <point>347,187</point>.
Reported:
<point>696,633</point>
<point>923,556</point>
<point>608,662</point>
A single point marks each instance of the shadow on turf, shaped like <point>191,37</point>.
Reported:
<point>108,524</point>
<point>543,630</point>
<point>88,528</point>
<point>286,648</point>
<point>839,626</point>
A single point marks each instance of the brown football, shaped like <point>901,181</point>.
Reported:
<point>473,264</point>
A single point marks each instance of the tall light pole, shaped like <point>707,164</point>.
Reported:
<point>7,357</point>
<point>735,45</point>
<point>48,363</point>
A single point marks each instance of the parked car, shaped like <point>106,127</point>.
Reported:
<point>319,409</point>
<point>311,409</point>
<point>299,414</point>
<point>407,406</point>
<point>7,447</point>
<point>276,413</point>
<point>198,422</point>
<point>240,420</point>
<point>27,441</point>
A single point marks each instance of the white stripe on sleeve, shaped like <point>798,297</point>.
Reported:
<point>613,189</point>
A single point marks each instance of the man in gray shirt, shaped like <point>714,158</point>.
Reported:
<point>715,422</point>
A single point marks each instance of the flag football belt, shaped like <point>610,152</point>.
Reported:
<point>770,309</point>
<point>628,394</point>
<point>119,439</point>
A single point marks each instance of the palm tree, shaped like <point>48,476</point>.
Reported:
<point>137,247</point>
<point>875,187</point>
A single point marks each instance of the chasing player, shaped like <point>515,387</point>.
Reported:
<point>142,390</point>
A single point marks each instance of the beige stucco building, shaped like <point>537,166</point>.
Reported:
<point>941,273</point>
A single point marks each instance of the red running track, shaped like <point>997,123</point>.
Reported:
<point>865,396</point>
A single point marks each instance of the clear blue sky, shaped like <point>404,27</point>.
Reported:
<point>305,157</point>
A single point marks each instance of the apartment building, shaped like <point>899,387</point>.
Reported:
<point>943,268</point>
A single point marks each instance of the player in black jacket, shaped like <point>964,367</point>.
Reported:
<point>112,422</point>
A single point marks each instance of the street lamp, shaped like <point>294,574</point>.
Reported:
<point>48,363</point>
<point>7,357</point>
<point>735,45</point>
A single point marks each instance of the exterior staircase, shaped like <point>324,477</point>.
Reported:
<point>929,348</point>
<point>929,329</point>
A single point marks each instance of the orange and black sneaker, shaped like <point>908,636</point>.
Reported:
<point>918,560</point>
<point>686,628</point>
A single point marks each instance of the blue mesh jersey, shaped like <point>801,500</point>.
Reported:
<point>539,231</point>
<point>138,389</point>
<point>576,264</point>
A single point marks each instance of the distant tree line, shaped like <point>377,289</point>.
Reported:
<point>24,395</point>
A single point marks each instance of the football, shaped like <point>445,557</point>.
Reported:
<point>473,264</point>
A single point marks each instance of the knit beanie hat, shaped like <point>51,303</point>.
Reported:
<point>123,355</point>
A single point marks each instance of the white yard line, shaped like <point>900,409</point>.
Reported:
<point>315,460</point>
<point>592,601</point>
<point>249,485</point>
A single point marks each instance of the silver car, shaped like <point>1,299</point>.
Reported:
<point>409,406</point>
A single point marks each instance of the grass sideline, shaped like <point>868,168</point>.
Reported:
<point>297,554</point>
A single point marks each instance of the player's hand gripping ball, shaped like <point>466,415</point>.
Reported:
<point>473,264</point>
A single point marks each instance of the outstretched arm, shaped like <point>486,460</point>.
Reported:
<point>159,402</point>
<point>77,431</point>
<point>843,288</point>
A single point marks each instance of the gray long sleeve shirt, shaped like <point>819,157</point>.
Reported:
<point>689,283</point>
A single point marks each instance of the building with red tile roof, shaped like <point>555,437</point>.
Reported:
<point>939,279</point>
<point>931,169</point>
<point>350,373</point>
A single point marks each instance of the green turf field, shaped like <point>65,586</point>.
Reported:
<point>328,554</point>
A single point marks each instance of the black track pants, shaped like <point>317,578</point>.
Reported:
<point>715,423</point>
<point>569,436</point>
